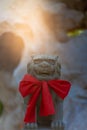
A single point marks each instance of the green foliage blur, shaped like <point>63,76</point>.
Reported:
<point>1,108</point>
<point>75,33</point>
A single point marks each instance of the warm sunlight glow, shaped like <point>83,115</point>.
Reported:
<point>34,21</point>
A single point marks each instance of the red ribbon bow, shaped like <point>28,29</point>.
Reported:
<point>30,85</point>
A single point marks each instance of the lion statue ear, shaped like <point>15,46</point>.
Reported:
<point>56,57</point>
<point>58,66</point>
<point>29,65</point>
<point>32,57</point>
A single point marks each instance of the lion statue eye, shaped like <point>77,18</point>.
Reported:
<point>1,108</point>
<point>36,61</point>
<point>52,62</point>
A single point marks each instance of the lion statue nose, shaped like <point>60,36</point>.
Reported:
<point>44,64</point>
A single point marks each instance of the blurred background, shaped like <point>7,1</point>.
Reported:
<point>57,27</point>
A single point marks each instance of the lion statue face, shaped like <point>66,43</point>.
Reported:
<point>44,67</point>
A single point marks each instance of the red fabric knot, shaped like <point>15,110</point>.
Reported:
<point>32,86</point>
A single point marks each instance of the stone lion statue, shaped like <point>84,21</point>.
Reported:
<point>46,67</point>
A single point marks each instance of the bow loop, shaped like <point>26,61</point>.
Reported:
<point>28,85</point>
<point>61,87</point>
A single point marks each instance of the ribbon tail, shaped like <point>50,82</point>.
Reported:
<point>30,115</point>
<point>47,106</point>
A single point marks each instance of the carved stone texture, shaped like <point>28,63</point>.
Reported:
<point>46,67</point>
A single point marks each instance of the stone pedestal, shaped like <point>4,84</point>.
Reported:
<point>62,128</point>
